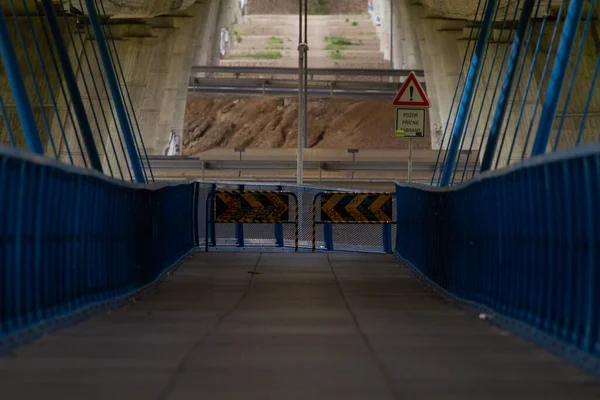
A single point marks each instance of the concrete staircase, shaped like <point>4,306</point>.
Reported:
<point>272,40</point>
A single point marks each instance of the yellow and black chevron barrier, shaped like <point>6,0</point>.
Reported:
<point>255,207</point>
<point>369,208</point>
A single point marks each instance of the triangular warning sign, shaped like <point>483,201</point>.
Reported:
<point>411,94</point>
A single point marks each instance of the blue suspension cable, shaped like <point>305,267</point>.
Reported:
<point>114,88</point>
<point>47,77</point>
<point>541,84</point>
<point>83,78</point>
<point>64,93</point>
<point>11,134</point>
<point>465,102</point>
<point>487,85</point>
<point>462,92</point>
<point>111,40</point>
<point>15,79</point>
<point>115,55</point>
<point>589,101</point>
<point>515,52</point>
<point>464,62</point>
<point>559,70</point>
<point>586,29</point>
<point>36,88</point>
<point>71,80</point>
<point>530,78</point>
<point>112,112</point>
<point>520,76</point>
<point>102,112</point>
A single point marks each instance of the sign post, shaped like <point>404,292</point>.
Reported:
<point>411,102</point>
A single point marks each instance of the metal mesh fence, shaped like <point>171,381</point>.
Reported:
<point>345,237</point>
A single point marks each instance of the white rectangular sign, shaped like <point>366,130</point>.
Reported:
<point>410,122</point>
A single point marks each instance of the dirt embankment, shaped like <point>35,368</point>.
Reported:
<point>271,122</point>
<point>314,6</point>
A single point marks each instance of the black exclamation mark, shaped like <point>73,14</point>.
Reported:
<point>412,89</point>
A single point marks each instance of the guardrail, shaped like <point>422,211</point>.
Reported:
<point>73,241</point>
<point>263,237</point>
<point>191,163</point>
<point>312,72</point>
<point>322,82</point>
<point>522,245</point>
<point>280,87</point>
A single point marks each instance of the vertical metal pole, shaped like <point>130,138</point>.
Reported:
<point>391,34</point>
<point>15,79</point>
<point>559,70</point>
<point>279,238</point>
<point>410,161</point>
<point>387,238</point>
<point>328,236</point>
<point>305,108</point>
<point>469,91</point>
<point>113,83</point>
<point>73,88</point>
<point>211,215</point>
<point>509,75</point>
<point>239,228</point>
<point>301,81</point>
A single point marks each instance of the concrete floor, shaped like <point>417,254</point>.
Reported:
<point>301,327</point>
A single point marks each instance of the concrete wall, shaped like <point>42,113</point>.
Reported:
<point>156,55</point>
<point>425,40</point>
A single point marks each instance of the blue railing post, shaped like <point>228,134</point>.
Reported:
<point>279,229</point>
<point>328,236</point>
<point>469,91</point>
<point>196,214</point>
<point>239,228</point>
<point>387,238</point>
<point>72,87</point>
<point>515,51</point>
<point>115,91</point>
<point>15,79</point>
<point>213,228</point>
<point>559,70</point>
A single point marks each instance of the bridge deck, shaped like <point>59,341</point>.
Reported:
<point>302,327</point>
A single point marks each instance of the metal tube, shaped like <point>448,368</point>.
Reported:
<point>305,97</point>
<point>509,75</point>
<point>113,84</point>
<point>15,79</point>
<point>305,108</point>
<point>391,34</point>
<point>300,160</point>
<point>71,80</point>
<point>561,63</point>
<point>469,91</point>
<point>410,161</point>
<point>301,91</point>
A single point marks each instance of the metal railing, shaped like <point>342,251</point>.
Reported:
<point>312,72</point>
<point>279,81</point>
<point>261,237</point>
<point>73,241</point>
<point>521,244</point>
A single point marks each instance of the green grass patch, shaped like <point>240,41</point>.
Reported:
<point>266,55</point>
<point>275,43</point>
<point>336,43</point>
<point>355,23</point>
<point>237,37</point>
<point>336,55</point>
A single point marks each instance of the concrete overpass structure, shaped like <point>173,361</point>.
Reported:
<point>158,43</point>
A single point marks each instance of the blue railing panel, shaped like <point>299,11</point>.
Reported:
<point>71,237</point>
<point>522,243</point>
